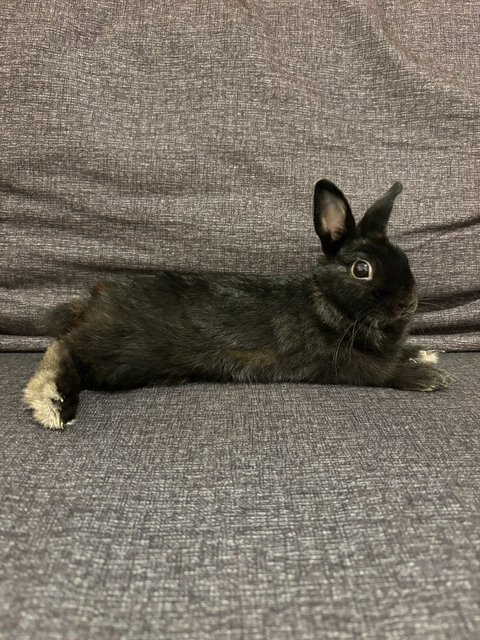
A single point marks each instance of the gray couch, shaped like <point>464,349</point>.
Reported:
<point>137,136</point>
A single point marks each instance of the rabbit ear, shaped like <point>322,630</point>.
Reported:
<point>332,216</point>
<point>375,220</point>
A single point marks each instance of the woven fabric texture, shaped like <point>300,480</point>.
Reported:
<point>234,512</point>
<point>142,135</point>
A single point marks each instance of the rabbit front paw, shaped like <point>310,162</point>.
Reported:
<point>420,375</point>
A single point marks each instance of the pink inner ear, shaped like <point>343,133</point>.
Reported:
<point>333,219</point>
<point>336,232</point>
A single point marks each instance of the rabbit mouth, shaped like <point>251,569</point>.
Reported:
<point>399,308</point>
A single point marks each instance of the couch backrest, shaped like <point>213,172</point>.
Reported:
<point>137,136</point>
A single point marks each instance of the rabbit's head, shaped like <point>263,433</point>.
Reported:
<point>365,275</point>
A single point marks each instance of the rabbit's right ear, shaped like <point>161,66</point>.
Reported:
<point>332,216</point>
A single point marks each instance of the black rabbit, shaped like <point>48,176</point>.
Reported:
<point>344,322</point>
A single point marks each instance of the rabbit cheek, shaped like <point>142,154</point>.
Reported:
<point>354,301</point>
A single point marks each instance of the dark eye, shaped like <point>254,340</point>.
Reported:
<point>362,269</point>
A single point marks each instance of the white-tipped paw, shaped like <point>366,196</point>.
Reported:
<point>42,396</point>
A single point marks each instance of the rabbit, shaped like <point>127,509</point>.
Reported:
<point>343,322</point>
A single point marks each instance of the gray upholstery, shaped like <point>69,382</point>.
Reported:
<point>237,512</point>
<point>139,135</point>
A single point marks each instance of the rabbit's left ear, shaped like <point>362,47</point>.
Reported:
<point>374,222</point>
<point>332,216</point>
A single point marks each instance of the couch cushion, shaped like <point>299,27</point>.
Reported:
<point>286,512</point>
<point>143,135</point>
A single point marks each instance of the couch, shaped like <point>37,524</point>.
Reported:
<point>140,136</point>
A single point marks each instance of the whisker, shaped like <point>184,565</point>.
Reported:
<point>359,323</point>
<point>355,332</point>
<point>354,327</point>
<point>424,303</point>
<point>337,350</point>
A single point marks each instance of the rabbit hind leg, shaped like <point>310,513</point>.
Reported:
<point>53,391</point>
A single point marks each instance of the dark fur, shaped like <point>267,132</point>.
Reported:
<point>322,326</point>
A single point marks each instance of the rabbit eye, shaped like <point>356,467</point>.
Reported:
<point>362,269</point>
